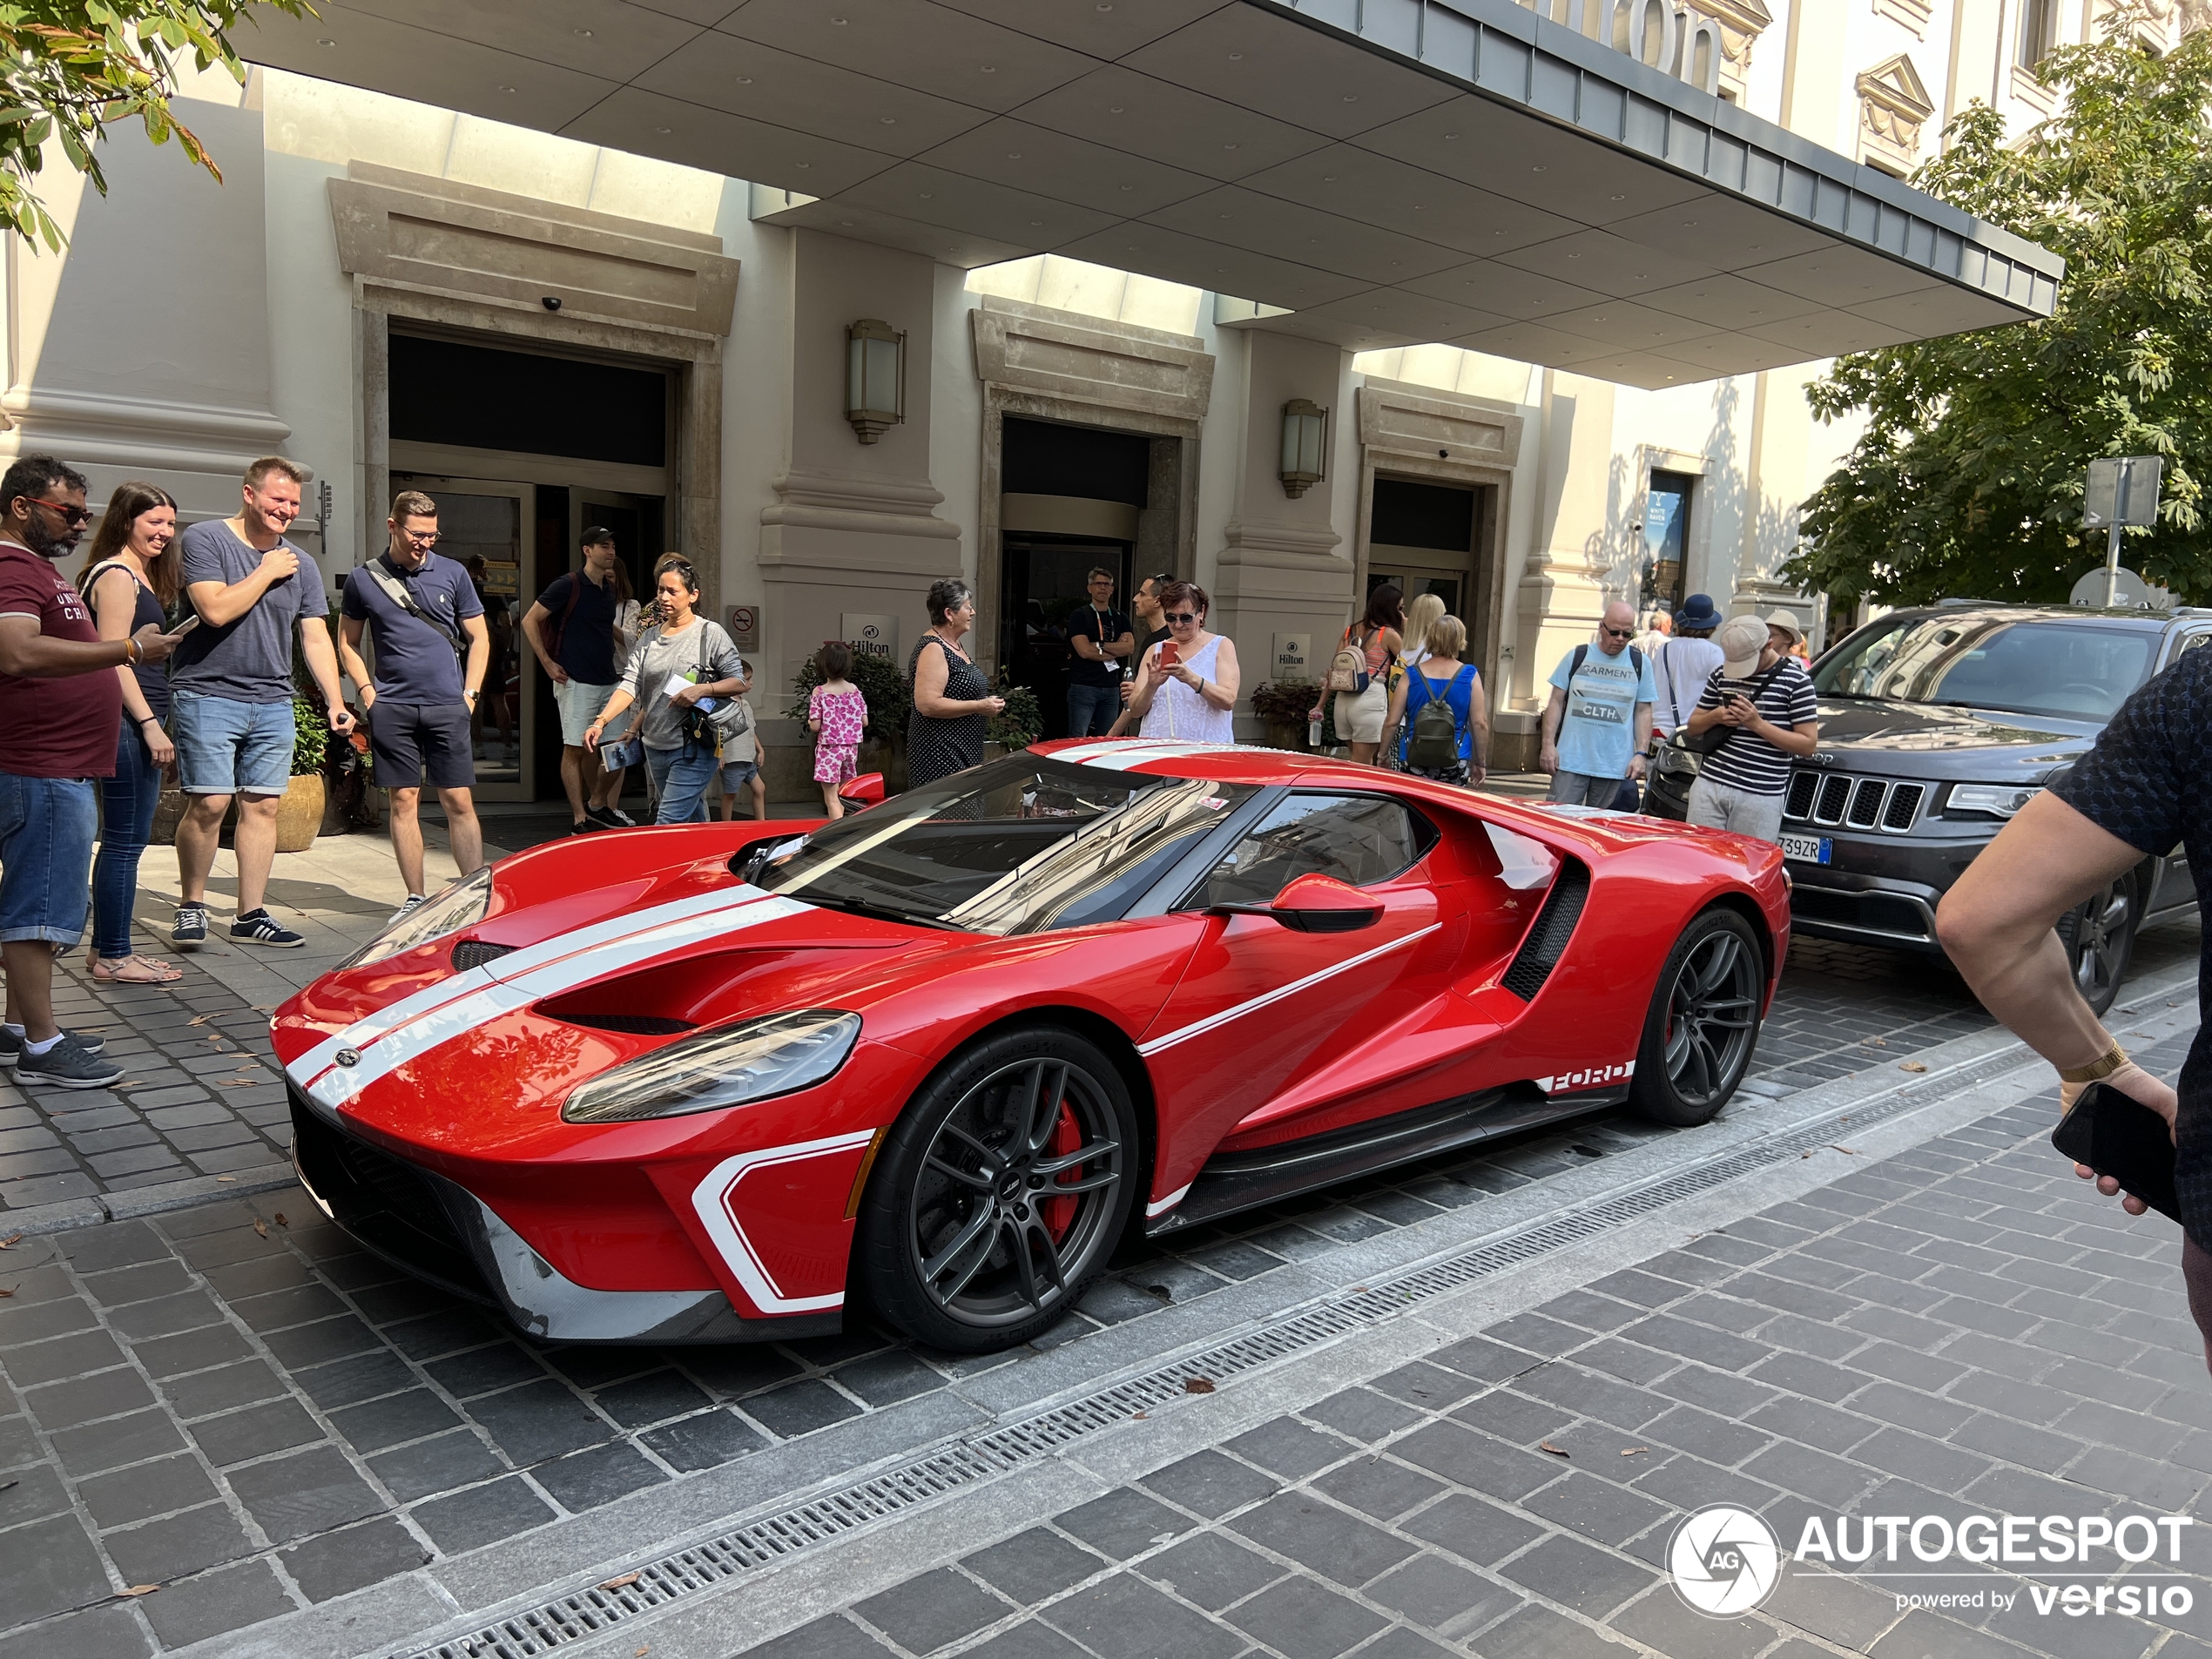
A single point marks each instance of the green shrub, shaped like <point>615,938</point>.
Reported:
<point>310,738</point>
<point>1021,723</point>
<point>882,681</point>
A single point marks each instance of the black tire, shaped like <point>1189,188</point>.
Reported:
<point>2099,939</point>
<point>1704,1024</point>
<point>952,1247</point>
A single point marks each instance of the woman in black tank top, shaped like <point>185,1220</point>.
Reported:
<point>953,701</point>
<point>130,579</point>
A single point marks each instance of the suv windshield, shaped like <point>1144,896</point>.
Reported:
<point>1020,845</point>
<point>2018,665</point>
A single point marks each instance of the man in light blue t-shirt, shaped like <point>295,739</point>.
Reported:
<point>1597,726</point>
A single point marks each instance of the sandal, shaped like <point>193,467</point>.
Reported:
<point>136,970</point>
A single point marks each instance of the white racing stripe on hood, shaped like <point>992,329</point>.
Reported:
<point>559,965</point>
<point>1129,759</point>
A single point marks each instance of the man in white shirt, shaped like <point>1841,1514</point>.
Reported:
<point>1682,667</point>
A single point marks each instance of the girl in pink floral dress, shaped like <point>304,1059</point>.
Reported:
<point>836,714</point>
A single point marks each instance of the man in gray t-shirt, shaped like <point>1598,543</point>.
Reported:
<point>231,680</point>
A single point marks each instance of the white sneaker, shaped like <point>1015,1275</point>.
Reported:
<point>414,900</point>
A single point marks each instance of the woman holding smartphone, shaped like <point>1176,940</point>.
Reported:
<point>686,660</point>
<point>1188,687</point>
<point>131,579</point>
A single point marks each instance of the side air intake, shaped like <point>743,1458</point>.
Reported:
<point>1547,941</point>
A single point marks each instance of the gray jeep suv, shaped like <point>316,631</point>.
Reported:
<point>1937,725</point>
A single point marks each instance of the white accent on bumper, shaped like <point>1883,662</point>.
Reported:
<point>710,1199</point>
<point>1161,1207</point>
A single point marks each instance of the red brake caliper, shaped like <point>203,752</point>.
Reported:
<point>1059,1214</point>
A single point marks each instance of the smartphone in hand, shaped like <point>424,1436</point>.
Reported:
<point>1170,657</point>
<point>2116,1134</point>
<point>184,627</point>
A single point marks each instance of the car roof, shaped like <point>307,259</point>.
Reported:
<point>2018,612</point>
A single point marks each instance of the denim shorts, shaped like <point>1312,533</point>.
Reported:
<point>46,830</point>
<point>226,747</point>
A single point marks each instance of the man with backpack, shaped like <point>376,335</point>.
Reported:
<point>1763,709</point>
<point>1441,708</point>
<point>1597,725</point>
<point>421,699</point>
<point>571,627</point>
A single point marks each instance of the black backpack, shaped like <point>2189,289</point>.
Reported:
<point>1433,745</point>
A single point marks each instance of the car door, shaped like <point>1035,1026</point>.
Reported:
<point>1260,1004</point>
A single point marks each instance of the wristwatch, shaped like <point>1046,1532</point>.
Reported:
<point>2103,1066</point>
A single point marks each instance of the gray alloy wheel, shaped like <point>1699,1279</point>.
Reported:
<point>1001,1193</point>
<point>1703,1022</point>
<point>2099,939</point>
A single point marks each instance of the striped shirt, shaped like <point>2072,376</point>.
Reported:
<point>1748,761</point>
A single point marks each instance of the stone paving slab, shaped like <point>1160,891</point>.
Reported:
<point>1790,1363</point>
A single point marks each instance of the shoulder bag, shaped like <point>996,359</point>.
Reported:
<point>1714,738</point>
<point>728,719</point>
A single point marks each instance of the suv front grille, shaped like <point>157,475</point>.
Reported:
<point>1830,799</point>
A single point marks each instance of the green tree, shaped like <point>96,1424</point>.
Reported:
<point>73,67</point>
<point>1968,477</point>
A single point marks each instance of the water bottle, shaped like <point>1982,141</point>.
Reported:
<point>1313,734</point>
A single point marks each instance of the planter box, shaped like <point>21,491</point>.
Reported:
<point>299,816</point>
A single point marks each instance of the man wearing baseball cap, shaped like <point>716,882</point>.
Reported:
<point>1764,699</point>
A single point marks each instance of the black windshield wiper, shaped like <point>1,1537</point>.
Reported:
<point>880,912</point>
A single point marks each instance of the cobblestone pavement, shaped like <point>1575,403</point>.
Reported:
<point>232,1402</point>
<point>1960,1328</point>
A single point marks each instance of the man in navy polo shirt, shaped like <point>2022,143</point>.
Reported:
<point>419,698</point>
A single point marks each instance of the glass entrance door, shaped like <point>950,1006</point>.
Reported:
<point>481,527</point>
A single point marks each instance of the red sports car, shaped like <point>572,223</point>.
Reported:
<point>702,1085</point>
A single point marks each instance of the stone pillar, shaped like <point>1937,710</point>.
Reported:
<point>1562,594</point>
<point>852,528</point>
<point>1279,569</point>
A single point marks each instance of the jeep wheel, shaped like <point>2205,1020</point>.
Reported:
<point>2099,938</point>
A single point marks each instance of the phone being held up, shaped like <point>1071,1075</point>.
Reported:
<point>1169,657</point>
<point>2116,1134</point>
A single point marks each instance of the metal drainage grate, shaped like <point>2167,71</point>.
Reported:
<point>571,1618</point>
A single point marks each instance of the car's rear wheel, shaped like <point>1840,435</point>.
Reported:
<point>2099,939</point>
<point>1703,1022</point>
<point>1000,1192</point>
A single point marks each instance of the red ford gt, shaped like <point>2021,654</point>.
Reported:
<point>700,1084</point>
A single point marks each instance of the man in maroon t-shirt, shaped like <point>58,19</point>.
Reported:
<point>59,704</point>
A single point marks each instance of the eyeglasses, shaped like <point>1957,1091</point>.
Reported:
<point>69,515</point>
<point>1619,633</point>
<point>421,538</point>
<point>1180,616</point>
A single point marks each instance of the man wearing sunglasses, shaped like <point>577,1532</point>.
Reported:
<point>60,700</point>
<point>252,590</point>
<point>1597,725</point>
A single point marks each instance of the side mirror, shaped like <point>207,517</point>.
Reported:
<point>1314,904</point>
<point>866,790</point>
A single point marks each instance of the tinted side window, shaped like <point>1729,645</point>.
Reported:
<point>1359,839</point>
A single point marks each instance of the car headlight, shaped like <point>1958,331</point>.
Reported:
<point>462,905</point>
<point>1999,800</point>
<point>730,1065</point>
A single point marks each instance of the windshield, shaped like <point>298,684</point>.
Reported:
<point>2020,666</point>
<point>1020,845</point>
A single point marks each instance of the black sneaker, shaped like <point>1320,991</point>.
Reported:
<point>189,932</point>
<point>66,1065</point>
<point>611,817</point>
<point>260,928</point>
<point>585,827</point>
<point>11,1046</point>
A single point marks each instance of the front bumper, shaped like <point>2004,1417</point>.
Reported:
<point>439,1231</point>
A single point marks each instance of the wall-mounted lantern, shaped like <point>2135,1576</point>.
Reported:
<point>1305,446</point>
<point>875,378</point>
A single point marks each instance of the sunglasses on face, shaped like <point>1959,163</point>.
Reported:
<point>1181,615</point>
<point>69,515</point>
<point>1619,633</point>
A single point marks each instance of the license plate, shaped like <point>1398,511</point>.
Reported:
<point>1813,849</point>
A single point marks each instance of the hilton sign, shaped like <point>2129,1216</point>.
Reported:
<point>1676,40</point>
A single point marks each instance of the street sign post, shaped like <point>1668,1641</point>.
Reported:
<point>2122,489</point>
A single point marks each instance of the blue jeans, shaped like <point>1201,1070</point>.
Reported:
<point>127,801</point>
<point>1092,710</point>
<point>46,827</point>
<point>680,779</point>
<point>226,747</point>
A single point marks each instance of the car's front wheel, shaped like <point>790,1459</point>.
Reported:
<point>1000,1192</point>
<point>2099,939</point>
<point>1703,1022</point>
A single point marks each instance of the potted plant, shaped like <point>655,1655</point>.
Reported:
<point>299,813</point>
<point>1282,707</point>
<point>1019,724</point>
<point>884,684</point>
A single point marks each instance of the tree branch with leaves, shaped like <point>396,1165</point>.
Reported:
<point>1968,477</point>
<point>73,70</point>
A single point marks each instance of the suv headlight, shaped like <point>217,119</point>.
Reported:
<point>1997,800</point>
<point>730,1065</point>
<point>462,905</point>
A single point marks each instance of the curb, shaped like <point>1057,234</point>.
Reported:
<point>134,1201</point>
